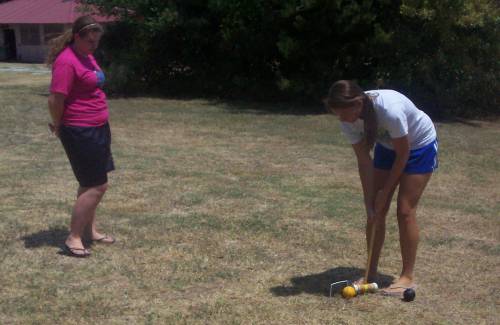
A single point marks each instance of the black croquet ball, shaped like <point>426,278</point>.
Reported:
<point>409,295</point>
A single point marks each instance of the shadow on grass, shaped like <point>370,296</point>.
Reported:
<point>270,108</point>
<point>243,106</point>
<point>319,284</point>
<point>52,237</point>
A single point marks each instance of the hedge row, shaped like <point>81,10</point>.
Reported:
<point>444,54</point>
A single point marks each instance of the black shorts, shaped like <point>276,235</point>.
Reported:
<point>89,153</point>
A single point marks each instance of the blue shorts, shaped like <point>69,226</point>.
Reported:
<point>421,161</point>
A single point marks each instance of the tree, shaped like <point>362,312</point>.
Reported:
<point>443,54</point>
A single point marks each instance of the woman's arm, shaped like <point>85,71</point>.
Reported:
<point>365,169</point>
<point>56,109</point>
<point>402,149</point>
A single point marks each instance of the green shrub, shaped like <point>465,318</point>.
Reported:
<point>443,54</point>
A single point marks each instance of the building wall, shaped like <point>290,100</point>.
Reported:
<point>33,52</point>
<point>30,52</point>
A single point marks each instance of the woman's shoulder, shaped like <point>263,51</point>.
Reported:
<point>388,98</point>
<point>384,94</point>
<point>66,57</point>
<point>387,103</point>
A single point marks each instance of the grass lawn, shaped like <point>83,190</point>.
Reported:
<point>232,214</point>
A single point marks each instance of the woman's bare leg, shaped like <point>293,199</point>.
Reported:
<point>83,212</point>
<point>411,188</point>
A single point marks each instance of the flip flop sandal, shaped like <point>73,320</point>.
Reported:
<point>399,290</point>
<point>105,240</point>
<point>71,251</point>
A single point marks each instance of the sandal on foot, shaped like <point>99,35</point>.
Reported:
<point>72,251</point>
<point>105,240</point>
<point>396,290</point>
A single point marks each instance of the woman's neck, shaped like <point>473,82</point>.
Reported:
<point>79,52</point>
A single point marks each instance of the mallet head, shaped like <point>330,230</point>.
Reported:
<point>349,292</point>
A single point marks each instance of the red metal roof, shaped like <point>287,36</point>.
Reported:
<point>42,12</point>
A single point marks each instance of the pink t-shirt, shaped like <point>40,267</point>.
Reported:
<point>79,78</point>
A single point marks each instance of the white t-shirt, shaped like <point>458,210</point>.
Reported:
<point>397,116</point>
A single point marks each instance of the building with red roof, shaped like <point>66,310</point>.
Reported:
<point>26,26</point>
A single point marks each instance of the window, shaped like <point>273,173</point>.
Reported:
<point>30,34</point>
<point>51,31</point>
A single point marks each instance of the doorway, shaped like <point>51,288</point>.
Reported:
<point>10,44</point>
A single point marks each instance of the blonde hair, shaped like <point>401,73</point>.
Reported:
<point>342,95</point>
<point>82,26</point>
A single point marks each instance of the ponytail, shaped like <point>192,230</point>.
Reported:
<point>369,122</point>
<point>57,45</point>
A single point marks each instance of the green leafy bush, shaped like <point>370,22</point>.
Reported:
<point>444,54</point>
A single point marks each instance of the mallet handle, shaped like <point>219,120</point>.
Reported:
<point>370,251</point>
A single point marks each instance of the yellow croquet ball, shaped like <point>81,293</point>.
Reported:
<point>348,292</point>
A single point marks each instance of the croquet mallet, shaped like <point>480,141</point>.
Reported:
<point>350,289</point>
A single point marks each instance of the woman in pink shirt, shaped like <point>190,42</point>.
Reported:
<point>79,114</point>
